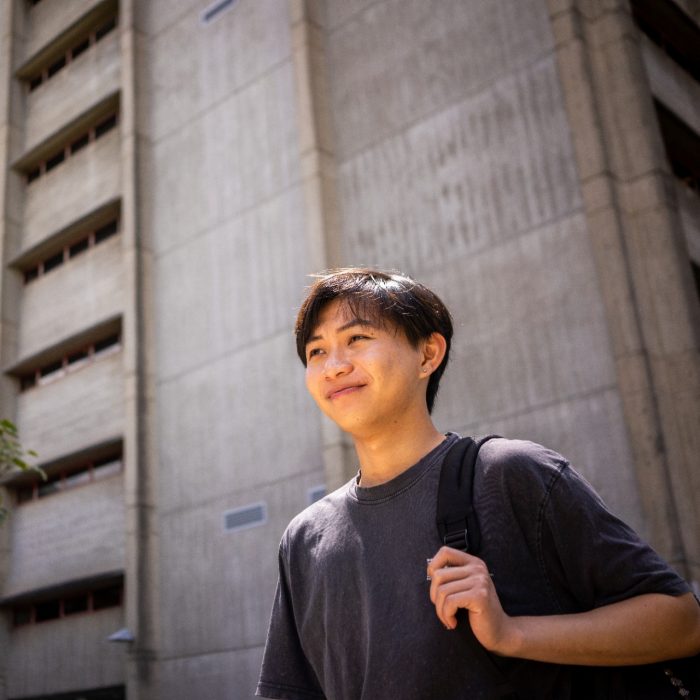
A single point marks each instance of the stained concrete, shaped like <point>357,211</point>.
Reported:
<point>463,142</point>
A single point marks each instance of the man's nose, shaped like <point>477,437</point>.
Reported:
<point>337,364</point>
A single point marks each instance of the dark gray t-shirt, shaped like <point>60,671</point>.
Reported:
<point>352,617</point>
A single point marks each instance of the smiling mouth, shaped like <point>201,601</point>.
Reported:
<point>343,392</point>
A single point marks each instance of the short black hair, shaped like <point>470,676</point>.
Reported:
<point>385,297</point>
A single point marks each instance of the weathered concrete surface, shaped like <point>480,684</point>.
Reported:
<point>85,407</point>
<point>234,423</point>
<point>43,22</point>
<point>464,142</point>
<point>66,536</point>
<point>55,306</point>
<point>469,183</point>
<point>90,78</point>
<point>54,201</point>
<point>642,261</point>
<point>62,655</point>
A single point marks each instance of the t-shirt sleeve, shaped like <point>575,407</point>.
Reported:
<point>597,557</point>
<point>285,672</point>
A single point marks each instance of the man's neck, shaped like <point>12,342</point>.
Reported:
<point>385,455</point>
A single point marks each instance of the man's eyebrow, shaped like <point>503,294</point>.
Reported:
<point>363,322</point>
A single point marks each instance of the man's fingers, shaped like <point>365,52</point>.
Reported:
<point>471,592</point>
<point>458,580</point>
<point>450,573</point>
<point>446,556</point>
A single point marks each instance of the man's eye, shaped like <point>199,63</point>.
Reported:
<point>313,352</point>
<point>353,338</point>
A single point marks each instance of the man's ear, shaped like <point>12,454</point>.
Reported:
<point>433,352</point>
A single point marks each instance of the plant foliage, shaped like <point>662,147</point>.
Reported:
<point>13,457</point>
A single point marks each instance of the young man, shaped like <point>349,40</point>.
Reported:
<point>559,583</point>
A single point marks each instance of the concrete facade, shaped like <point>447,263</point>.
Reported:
<point>487,148</point>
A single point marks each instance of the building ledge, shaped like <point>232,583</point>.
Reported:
<point>65,39</point>
<point>65,236</point>
<point>58,139</point>
<point>101,580</point>
<point>66,345</point>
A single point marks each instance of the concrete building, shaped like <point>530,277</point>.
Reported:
<point>173,170</point>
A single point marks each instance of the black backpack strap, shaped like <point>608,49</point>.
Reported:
<point>459,528</point>
<point>456,518</point>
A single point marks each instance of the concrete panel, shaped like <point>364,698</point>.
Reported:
<point>80,409</point>
<point>401,60</point>
<point>47,19</point>
<point>222,57</point>
<point>68,535</point>
<point>247,273</point>
<point>333,13</point>
<point>495,165</point>
<point>65,655</point>
<point>229,674</point>
<point>246,152</point>
<point>88,79</point>
<point>265,434</point>
<point>80,184</point>
<point>529,326</point>
<point>156,16</point>
<point>223,603</point>
<point>56,306</point>
<point>16,188</point>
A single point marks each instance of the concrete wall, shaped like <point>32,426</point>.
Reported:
<point>642,261</point>
<point>8,282</point>
<point>56,306</point>
<point>65,655</point>
<point>439,138</point>
<point>83,531</point>
<point>457,166</point>
<point>222,204</point>
<point>54,200</point>
<point>88,79</point>
<point>69,535</point>
<point>43,22</point>
<point>81,409</point>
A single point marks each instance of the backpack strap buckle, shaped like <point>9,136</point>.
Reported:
<point>457,538</point>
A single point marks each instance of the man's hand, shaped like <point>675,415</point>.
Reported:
<point>460,580</point>
<point>639,630</point>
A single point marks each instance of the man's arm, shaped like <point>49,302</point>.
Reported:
<point>643,629</point>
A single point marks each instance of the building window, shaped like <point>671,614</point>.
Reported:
<point>682,146</point>
<point>69,149</point>
<point>115,692</point>
<point>74,603</point>
<point>81,45</point>
<point>70,362</point>
<point>696,276</point>
<point>80,473</point>
<point>87,240</point>
<point>672,30</point>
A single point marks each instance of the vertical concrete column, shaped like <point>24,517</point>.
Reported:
<point>644,275</point>
<point>11,198</point>
<point>139,444</point>
<point>319,186</point>
<point>8,299</point>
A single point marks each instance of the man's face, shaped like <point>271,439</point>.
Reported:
<point>363,376</point>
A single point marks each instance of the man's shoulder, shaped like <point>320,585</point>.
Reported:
<point>317,519</point>
<point>519,463</point>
